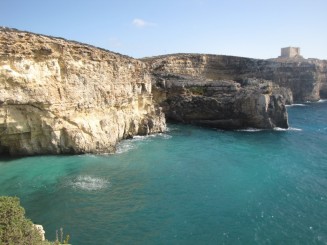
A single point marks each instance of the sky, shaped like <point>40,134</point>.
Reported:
<point>142,28</point>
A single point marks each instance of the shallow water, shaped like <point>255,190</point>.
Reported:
<point>188,186</point>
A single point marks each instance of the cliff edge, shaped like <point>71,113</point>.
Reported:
<point>59,96</point>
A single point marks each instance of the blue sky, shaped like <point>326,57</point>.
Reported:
<point>139,28</point>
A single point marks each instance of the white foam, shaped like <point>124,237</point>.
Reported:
<point>295,129</point>
<point>250,130</point>
<point>320,101</point>
<point>287,129</point>
<point>164,136</point>
<point>296,105</point>
<point>125,146</point>
<point>171,128</point>
<point>130,144</point>
<point>89,183</point>
<point>87,155</point>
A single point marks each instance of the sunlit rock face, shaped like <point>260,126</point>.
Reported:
<point>64,97</point>
<point>59,96</point>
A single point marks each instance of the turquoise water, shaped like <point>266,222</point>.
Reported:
<point>187,186</point>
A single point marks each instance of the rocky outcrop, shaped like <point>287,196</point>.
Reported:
<point>220,103</point>
<point>40,230</point>
<point>234,92</point>
<point>304,78</point>
<point>321,76</point>
<point>59,96</point>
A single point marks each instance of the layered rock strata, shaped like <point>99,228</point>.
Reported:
<point>58,96</point>
<point>224,104</point>
<point>321,77</point>
<point>305,78</point>
<point>234,92</point>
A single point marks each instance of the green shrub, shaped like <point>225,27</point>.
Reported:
<point>15,228</point>
<point>199,90</point>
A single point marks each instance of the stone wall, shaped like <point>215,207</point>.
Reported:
<point>290,52</point>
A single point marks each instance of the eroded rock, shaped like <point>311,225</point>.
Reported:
<point>58,96</point>
<point>220,104</point>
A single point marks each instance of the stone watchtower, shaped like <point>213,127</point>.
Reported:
<point>290,52</point>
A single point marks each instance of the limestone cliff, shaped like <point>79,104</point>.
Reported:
<point>59,96</point>
<point>234,92</point>
<point>220,103</point>
<point>304,78</point>
<point>321,77</point>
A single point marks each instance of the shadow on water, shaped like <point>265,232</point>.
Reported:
<point>5,158</point>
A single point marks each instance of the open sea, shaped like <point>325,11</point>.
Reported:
<point>190,185</point>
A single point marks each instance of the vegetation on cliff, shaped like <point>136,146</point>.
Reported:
<point>15,228</point>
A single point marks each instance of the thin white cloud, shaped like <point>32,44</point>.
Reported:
<point>139,23</point>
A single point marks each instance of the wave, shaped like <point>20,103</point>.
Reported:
<point>125,146</point>
<point>164,136</point>
<point>296,105</point>
<point>150,136</point>
<point>130,144</point>
<point>253,130</point>
<point>308,102</point>
<point>88,183</point>
<point>287,129</point>
<point>250,130</point>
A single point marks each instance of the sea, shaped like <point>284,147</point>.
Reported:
<point>189,185</point>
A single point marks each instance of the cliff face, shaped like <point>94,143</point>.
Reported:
<point>58,96</point>
<point>305,79</point>
<point>234,92</point>
<point>321,77</point>
<point>221,104</point>
<point>217,91</point>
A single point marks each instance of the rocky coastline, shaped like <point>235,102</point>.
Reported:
<point>65,97</point>
<point>234,92</point>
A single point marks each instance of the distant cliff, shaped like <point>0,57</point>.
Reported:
<point>306,78</point>
<point>234,92</point>
<point>58,96</point>
<point>217,91</point>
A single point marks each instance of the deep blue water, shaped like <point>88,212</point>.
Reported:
<point>188,186</point>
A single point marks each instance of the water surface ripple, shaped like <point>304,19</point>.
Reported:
<point>188,186</point>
